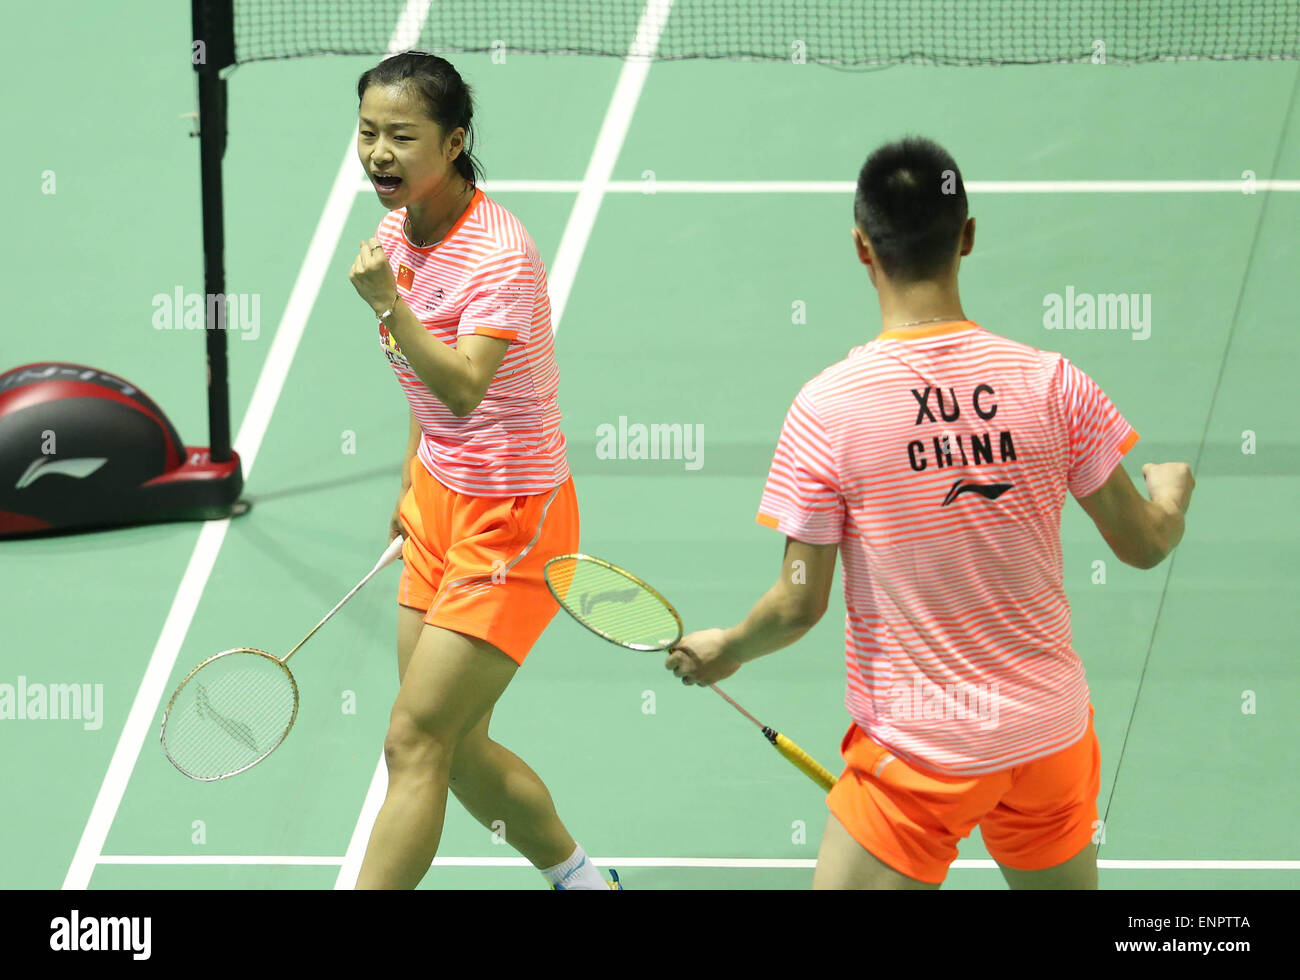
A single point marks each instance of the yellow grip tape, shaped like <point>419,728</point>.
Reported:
<point>817,773</point>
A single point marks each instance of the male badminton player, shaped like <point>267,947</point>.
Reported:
<point>936,458</point>
<point>487,498</point>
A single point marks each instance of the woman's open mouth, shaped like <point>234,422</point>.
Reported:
<point>386,184</point>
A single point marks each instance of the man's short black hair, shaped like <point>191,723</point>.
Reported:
<point>911,203</point>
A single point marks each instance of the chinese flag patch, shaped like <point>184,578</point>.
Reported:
<point>405,276</point>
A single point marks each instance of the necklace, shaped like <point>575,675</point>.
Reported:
<point>424,244</point>
<point>917,323</point>
<point>411,236</point>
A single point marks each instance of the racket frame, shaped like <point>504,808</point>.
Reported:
<point>390,555</point>
<point>810,767</point>
<point>280,662</point>
<point>640,647</point>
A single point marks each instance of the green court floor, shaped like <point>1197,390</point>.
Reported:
<point>680,312</point>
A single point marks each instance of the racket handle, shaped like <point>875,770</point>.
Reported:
<point>390,556</point>
<point>810,767</point>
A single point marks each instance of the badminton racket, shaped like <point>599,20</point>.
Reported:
<point>623,609</point>
<point>236,708</point>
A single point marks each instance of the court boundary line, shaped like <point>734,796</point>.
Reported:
<point>144,711</point>
<point>650,188</point>
<point>604,155</point>
<point>563,273</point>
<point>961,864</point>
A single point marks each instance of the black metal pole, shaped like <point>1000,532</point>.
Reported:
<point>212,51</point>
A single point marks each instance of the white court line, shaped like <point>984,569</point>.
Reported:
<point>577,231</point>
<point>609,143</point>
<point>669,862</point>
<point>153,688</point>
<point>650,188</point>
<point>350,866</point>
<point>148,698</point>
<point>220,859</point>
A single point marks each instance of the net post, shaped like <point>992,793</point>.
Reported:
<point>213,50</point>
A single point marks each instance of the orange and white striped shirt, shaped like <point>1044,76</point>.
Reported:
<point>938,461</point>
<point>484,277</point>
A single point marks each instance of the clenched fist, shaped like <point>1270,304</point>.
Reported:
<point>372,278</point>
<point>1172,481</point>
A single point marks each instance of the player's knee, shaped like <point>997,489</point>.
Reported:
<point>414,744</point>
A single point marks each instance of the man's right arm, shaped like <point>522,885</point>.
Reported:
<point>1142,532</point>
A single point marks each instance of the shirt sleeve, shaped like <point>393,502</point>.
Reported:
<point>802,496</point>
<point>1099,435</point>
<point>502,299</point>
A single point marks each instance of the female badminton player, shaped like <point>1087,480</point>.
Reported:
<point>460,295</point>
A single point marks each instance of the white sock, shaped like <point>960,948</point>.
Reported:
<point>576,874</point>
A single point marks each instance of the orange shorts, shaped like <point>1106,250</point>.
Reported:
<point>1031,817</point>
<point>474,564</point>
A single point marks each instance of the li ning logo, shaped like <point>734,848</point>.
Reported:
<point>1098,311</point>
<point>609,595</point>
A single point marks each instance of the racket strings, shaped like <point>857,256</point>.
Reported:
<point>231,712</point>
<point>613,604</point>
<point>621,608</point>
